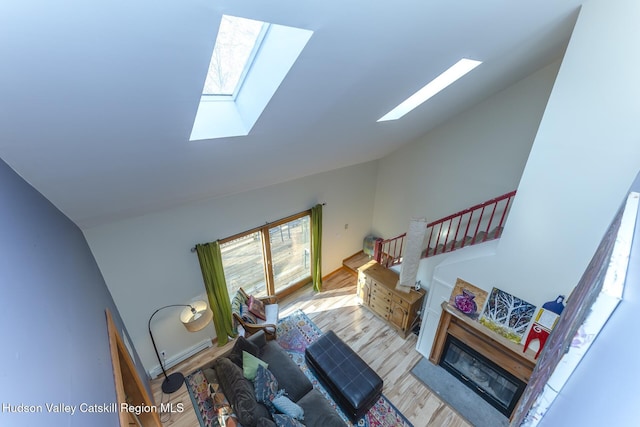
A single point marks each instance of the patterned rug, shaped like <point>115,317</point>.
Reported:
<point>294,332</point>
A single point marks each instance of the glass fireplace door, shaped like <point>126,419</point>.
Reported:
<point>492,383</point>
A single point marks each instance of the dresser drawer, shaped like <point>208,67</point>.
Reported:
<point>400,301</point>
<point>380,291</point>
<point>379,305</point>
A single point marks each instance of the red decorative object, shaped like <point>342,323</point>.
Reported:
<point>539,333</point>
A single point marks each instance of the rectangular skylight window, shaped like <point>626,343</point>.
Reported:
<point>456,71</point>
<point>244,74</point>
<point>236,45</point>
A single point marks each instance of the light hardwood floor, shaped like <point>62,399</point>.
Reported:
<point>380,346</point>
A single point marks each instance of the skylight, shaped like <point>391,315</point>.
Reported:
<point>236,45</point>
<point>449,76</point>
<point>249,62</point>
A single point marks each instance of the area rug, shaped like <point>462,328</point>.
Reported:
<point>468,404</point>
<point>294,333</point>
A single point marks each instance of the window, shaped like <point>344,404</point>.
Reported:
<point>236,45</point>
<point>274,259</point>
<point>250,60</point>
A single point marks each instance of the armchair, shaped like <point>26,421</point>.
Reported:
<point>248,323</point>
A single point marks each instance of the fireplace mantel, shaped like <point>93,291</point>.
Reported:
<point>504,353</point>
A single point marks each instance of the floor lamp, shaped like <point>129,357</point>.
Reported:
<point>194,317</point>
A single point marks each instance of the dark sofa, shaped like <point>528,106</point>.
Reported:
<point>226,371</point>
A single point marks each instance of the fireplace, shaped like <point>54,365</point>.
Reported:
<point>494,367</point>
<point>491,382</point>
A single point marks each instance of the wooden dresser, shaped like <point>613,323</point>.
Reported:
<point>377,291</point>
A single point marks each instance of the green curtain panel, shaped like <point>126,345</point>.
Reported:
<point>316,247</point>
<point>216,286</point>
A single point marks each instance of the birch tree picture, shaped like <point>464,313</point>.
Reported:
<point>507,315</point>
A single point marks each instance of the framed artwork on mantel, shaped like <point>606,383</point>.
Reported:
<point>507,315</point>
<point>467,299</point>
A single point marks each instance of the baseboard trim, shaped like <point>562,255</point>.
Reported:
<point>336,271</point>
<point>180,357</point>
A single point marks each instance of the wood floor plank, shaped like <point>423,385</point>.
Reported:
<point>391,356</point>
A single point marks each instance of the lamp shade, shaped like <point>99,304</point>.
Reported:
<point>196,316</point>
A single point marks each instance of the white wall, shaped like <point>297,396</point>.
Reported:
<point>602,391</point>
<point>583,160</point>
<point>477,155</point>
<point>147,263</point>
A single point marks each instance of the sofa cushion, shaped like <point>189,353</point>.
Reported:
<point>240,392</point>
<point>318,411</point>
<point>242,344</point>
<point>266,422</point>
<point>290,377</point>
<point>283,420</point>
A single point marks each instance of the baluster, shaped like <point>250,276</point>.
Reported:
<point>475,234</point>
<point>429,242</point>
<point>466,231</point>
<point>395,250</point>
<point>495,205</point>
<point>504,214</point>
<point>435,252</point>
<point>446,239</point>
<point>455,238</point>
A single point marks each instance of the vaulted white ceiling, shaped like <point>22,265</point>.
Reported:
<point>97,98</point>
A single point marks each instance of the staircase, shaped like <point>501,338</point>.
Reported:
<point>477,224</point>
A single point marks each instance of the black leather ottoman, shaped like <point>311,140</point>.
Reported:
<point>352,383</point>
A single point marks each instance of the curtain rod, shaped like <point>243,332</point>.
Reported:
<point>193,249</point>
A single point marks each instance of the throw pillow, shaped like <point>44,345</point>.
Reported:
<point>287,407</point>
<point>242,344</point>
<point>250,365</point>
<point>240,392</point>
<point>266,387</point>
<point>283,420</point>
<point>257,307</point>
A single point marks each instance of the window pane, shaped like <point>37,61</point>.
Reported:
<point>243,265</point>
<point>290,252</point>
<point>232,54</point>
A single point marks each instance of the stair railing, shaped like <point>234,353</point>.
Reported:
<point>452,232</point>
<point>389,252</point>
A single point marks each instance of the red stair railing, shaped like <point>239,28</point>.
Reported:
<point>389,252</point>
<point>479,219</point>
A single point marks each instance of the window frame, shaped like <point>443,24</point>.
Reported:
<point>266,253</point>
